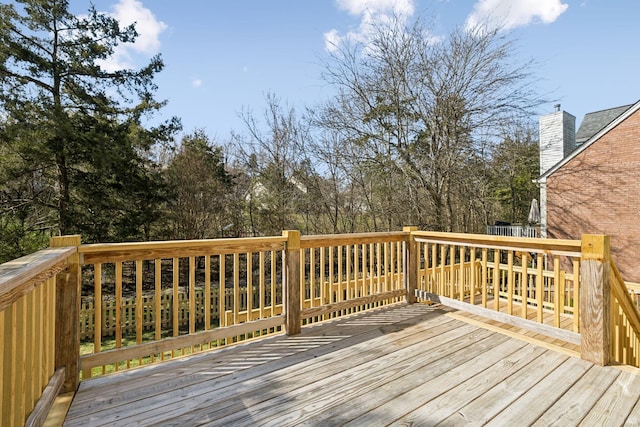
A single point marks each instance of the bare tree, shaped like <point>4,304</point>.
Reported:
<point>421,111</point>
<point>273,160</point>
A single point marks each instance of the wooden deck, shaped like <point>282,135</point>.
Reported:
<point>404,365</point>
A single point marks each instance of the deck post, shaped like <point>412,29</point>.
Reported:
<point>410,264</point>
<point>291,282</point>
<point>595,295</point>
<point>67,339</point>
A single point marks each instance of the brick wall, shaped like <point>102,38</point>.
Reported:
<point>598,192</point>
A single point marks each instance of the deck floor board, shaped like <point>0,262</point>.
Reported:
<point>402,364</point>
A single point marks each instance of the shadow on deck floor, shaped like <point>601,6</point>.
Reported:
<point>405,364</point>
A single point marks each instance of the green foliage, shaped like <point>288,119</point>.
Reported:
<point>514,167</point>
<point>199,188</point>
<point>73,135</point>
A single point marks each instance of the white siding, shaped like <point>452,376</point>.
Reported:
<point>557,138</point>
<point>543,208</point>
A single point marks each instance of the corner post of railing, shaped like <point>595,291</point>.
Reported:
<point>291,282</point>
<point>410,264</point>
<point>595,298</point>
<point>67,339</point>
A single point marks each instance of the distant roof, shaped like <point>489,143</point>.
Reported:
<point>596,121</point>
<point>627,111</point>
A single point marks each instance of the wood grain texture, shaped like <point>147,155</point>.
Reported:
<point>329,240</point>
<point>548,330</point>
<point>110,252</point>
<point>291,282</point>
<point>177,342</point>
<point>22,275</point>
<point>549,246</point>
<point>67,315</point>
<point>406,363</point>
<point>356,302</point>
<point>41,410</point>
<point>595,303</point>
<point>410,262</point>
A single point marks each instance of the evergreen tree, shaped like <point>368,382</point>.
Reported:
<point>200,189</point>
<point>74,131</point>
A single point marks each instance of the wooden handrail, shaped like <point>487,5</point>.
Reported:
<point>549,246</point>
<point>320,240</point>
<point>135,251</point>
<point>22,275</point>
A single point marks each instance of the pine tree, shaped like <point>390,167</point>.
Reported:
<point>72,130</point>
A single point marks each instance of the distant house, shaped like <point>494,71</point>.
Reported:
<point>590,180</point>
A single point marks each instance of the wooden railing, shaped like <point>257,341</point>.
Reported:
<point>269,283</point>
<point>625,321</point>
<point>346,273</point>
<point>36,359</point>
<point>533,283</point>
<point>154,268</point>
<point>128,309</point>
<point>563,288</point>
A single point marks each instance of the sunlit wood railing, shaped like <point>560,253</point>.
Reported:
<point>625,321</point>
<point>249,270</point>
<point>32,359</point>
<point>505,278</point>
<point>562,288</point>
<point>351,272</point>
<point>324,276</point>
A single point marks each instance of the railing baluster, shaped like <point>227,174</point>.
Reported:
<point>496,280</point>
<point>510,282</point>
<point>118,322</point>
<point>539,288</point>
<point>524,283</point>
<point>273,283</point>
<point>138,308</point>
<point>19,350</point>
<point>576,295</point>
<point>97,299</point>
<point>222,291</point>
<point>461,281</point>
<point>192,295</point>
<point>207,292</point>
<point>557,292</point>
<point>340,278</point>
<point>312,276</point>
<point>472,275</point>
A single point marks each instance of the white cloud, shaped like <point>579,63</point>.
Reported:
<point>371,13</point>
<point>515,13</point>
<point>360,7</point>
<point>147,43</point>
<point>331,40</point>
<point>196,82</point>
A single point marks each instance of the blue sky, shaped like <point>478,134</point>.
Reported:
<point>223,56</point>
